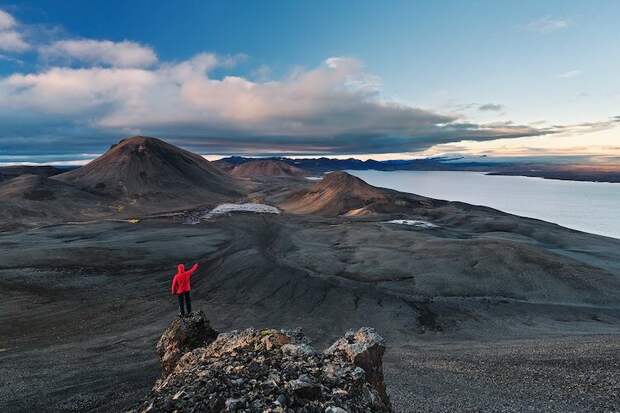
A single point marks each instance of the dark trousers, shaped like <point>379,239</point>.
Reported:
<point>184,299</point>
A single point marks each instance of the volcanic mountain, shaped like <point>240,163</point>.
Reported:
<point>340,193</point>
<point>264,168</point>
<point>147,170</point>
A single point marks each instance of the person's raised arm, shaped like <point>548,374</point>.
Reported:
<point>193,269</point>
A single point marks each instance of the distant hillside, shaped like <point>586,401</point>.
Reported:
<point>520,167</point>
<point>569,172</point>
<point>9,172</point>
<point>264,168</point>
<point>340,193</point>
<point>223,165</point>
<point>36,199</point>
<point>321,165</point>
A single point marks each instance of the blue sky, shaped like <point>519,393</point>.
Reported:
<point>382,79</point>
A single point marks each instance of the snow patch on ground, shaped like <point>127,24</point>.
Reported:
<point>248,207</point>
<point>191,220</point>
<point>414,223</point>
<point>196,217</point>
<point>314,178</point>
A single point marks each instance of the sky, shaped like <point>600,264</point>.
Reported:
<point>388,79</point>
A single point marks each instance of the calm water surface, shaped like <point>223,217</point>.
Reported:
<point>587,206</point>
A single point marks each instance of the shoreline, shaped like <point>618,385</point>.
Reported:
<point>549,200</point>
<point>615,180</point>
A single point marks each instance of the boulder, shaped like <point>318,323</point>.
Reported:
<point>183,335</point>
<point>364,348</point>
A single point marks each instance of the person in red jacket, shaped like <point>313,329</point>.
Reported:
<point>181,287</point>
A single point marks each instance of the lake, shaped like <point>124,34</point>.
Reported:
<point>586,206</point>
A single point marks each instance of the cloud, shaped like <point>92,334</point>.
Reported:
<point>11,40</point>
<point>6,21</point>
<point>587,127</point>
<point>336,107</point>
<point>101,52</point>
<point>547,25</point>
<point>262,73</point>
<point>490,107</point>
<point>570,74</point>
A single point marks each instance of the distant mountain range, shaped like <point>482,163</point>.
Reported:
<point>321,165</point>
<point>572,172</point>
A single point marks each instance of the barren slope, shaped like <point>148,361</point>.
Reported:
<point>262,168</point>
<point>339,193</point>
<point>9,172</point>
<point>35,199</point>
<point>148,169</point>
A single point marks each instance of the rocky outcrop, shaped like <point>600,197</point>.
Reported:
<point>266,371</point>
<point>183,335</point>
<point>364,348</point>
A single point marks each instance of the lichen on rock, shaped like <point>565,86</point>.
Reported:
<point>266,371</point>
<point>364,348</point>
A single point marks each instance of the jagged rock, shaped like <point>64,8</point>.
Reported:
<point>305,387</point>
<point>183,335</point>
<point>365,349</point>
<point>266,371</point>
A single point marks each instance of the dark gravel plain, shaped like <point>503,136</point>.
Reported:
<point>474,321</point>
<point>545,374</point>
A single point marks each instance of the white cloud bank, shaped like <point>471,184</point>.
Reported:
<point>11,40</point>
<point>335,107</point>
<point>7,21</point>
<point>101,52</point>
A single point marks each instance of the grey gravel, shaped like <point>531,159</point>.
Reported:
<point>565,374</point>
<point>83,305</point>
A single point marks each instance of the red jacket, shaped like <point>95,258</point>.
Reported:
<point>180,282</point>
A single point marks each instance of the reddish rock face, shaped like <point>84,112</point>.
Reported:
<point>340,193</point>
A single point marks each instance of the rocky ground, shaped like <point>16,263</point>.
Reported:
<point>265,371</point>
<point>272,370</point>
<point>485,312</point>
<point>544,374</point>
